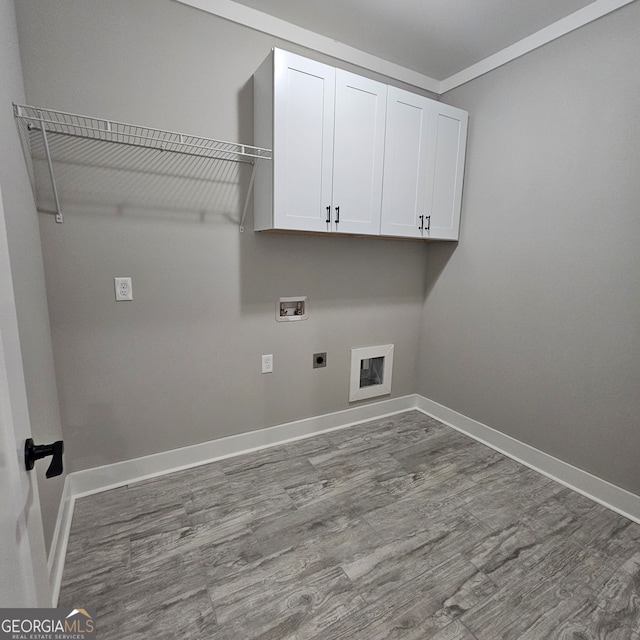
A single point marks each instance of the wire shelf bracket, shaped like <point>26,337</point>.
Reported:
<point>50,122</point>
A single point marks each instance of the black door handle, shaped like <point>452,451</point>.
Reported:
<point>337,215</point>
<point>328,220</point>
<point>33,452</point>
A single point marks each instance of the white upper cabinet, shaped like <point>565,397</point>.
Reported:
<point>424,166</point>
<point>445,171</point>
<point>405,167</point>
<point>301,127</point>
<point>326,130</point>
<point>351,155</point>
<point>358,154</point>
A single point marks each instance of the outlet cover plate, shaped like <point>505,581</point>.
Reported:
<point>319,360</point>
<point>123,289</point>
<point>267,363</point>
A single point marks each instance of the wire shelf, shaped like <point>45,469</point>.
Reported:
<point>72,124</point>
<point>49,125</point>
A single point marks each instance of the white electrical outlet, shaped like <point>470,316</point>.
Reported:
<point>267,363</point>
<point>123,289</point>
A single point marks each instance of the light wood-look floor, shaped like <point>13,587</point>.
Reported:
<point>400,528</point>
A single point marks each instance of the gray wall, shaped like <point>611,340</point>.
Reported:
<point>532,325</point>
<point>181,363</point>
<point>34,364</point>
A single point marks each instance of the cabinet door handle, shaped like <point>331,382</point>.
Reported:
<point>428,223</point>
<point>337,215</point>
<point>328,220</point>
<point>421,227</point>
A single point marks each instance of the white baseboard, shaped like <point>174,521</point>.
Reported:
<point>115,475</point>
<point>89,481</point>
<point>605,493</point>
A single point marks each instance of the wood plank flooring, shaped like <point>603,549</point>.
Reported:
<point>401,528</point>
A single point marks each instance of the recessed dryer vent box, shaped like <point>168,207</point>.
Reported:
<point>293,308</point>
<point>371,369</point>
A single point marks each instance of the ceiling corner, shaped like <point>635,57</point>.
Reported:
<point>574,21</point>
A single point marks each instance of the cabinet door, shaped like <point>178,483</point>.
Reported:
<point>358,154</point>
<point>304,92</point>
<point>445,170</point>
<point>405,164</point>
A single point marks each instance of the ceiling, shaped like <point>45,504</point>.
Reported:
<point>435,45</point>
<point>436,38</point>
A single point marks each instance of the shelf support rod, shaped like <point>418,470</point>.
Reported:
<point>246,200</point>
<point>59,217</point>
